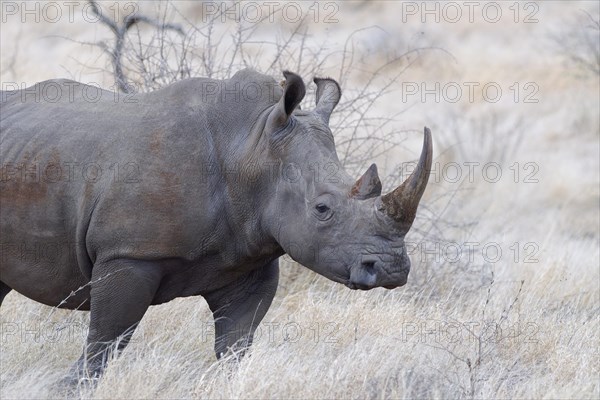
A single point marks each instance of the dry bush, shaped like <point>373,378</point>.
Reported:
<point>143,59</point>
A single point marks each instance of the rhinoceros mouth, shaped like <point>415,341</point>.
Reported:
<point>357,286</point>
<point>398,284</point>
<point>390,287</point>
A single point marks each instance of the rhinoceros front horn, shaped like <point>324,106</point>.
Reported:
<point>401,204</point>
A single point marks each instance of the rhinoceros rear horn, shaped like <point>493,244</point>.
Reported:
<point>367,186</point>
<point>401,204</point>
<point>293,93</point>
<point>328,96</point>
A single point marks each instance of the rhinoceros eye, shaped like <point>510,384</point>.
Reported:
<point>323,212</point>
<point>322,208</point>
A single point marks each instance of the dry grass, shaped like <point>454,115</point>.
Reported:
<point>320,340</point>
<point>510,328</point>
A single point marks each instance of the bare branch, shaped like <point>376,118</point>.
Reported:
<point>120,31</point>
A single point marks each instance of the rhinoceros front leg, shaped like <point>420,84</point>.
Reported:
<point>121,292</point>
<point>239,308</point>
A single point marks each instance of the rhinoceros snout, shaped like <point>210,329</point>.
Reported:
<point>372,272</point>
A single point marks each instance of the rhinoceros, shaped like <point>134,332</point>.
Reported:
<point>113,203</point>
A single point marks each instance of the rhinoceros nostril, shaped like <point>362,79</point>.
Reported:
<point>369,266</point>
<point>364,275</point>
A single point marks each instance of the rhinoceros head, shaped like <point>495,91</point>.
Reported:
<point>339,227</point>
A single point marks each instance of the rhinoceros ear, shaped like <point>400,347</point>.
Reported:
<point>293,93</point>
<point>367,186</point>
<point>328,95</point>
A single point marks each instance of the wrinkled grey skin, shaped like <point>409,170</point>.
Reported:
<point>194,189</point>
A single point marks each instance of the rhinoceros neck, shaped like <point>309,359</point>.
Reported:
<point>249,179</point>
<point>221,136</point>
<point>218,126</point>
